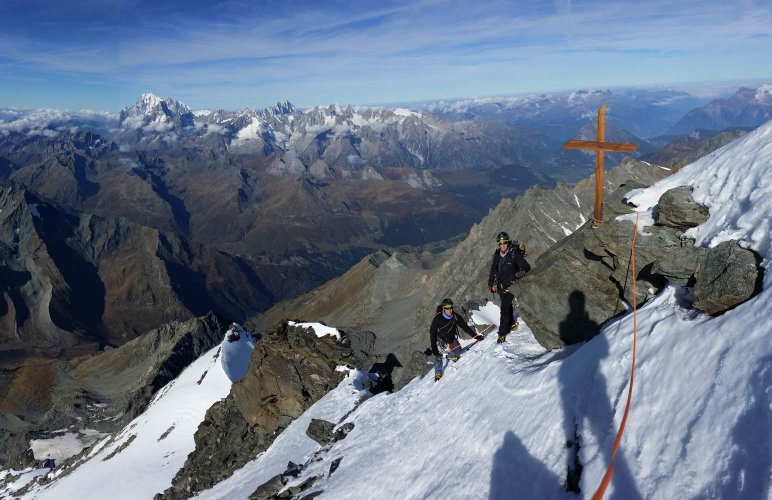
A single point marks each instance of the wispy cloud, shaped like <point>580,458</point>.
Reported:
<point>265,51</point>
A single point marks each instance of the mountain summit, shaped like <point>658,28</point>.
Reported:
<point>156,114</point>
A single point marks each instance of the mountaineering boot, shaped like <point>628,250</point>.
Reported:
<point>515,326</point>
<point>453,358</point>
<point>437,368</point>
<point>501,339</point>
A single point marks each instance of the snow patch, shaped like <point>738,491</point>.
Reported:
<point>319,329</point>
<point>67,445</point>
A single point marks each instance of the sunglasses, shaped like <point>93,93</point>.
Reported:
<point>448,307</point>
<point>503,243</point>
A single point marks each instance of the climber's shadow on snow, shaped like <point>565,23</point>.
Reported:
<point>587,409</point>
<point>380,375</point>
<point>516,474</point>
<point>751,459</point>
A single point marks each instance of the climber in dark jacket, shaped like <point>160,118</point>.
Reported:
<point>508,266</point>
<point>445,328</point>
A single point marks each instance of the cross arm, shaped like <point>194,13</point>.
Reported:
<point>604,146</point>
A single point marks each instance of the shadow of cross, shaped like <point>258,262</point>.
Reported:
<point>600,146</point>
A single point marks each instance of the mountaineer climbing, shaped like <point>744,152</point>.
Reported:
<point>508,266</point>
<point>445,329</point>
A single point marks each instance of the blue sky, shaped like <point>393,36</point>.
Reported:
<point>103,54</point>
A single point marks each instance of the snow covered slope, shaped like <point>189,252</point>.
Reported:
<point>142,459</point>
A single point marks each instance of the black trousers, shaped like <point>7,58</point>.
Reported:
<point>507,312</point>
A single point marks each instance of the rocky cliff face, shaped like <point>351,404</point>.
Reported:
<point>291,368</point>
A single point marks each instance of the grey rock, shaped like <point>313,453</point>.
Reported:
<point>294,491</point>
<point>292,470</point>
<point>679,266</point>
<point>268,489</point>
<point>335,464</point>
<point>677,209</point>
<point>342,431</point>
<point>362,345</point>
<point>320,431</point>
<point>728,276</point>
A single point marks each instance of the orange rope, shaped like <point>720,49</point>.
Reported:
<point>610,471</point>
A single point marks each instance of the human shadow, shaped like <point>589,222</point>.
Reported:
<point>517,474</point>
<point>577,326</point>
<point>379,374</point>
<point>575,376</point>
<point>747,473</point>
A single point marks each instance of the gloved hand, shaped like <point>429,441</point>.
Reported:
<point>493,288</point>
<point>519,274</point>
<point>479,336</point>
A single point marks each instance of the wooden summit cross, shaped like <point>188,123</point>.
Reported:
<point>600,146</point>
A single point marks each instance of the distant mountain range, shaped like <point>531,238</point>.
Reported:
<point>643,113</point>
<point>746,109</point>
<point>294,197</point>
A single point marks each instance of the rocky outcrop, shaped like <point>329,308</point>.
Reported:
<point>677,209</point>
<point>586,279</point>
<point>727,276</point>
<point>320,431</point>
<point>290,370</point>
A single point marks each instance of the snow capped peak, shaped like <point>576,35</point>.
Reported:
<point>582,96</point>
<point>406,112</point>
<point>283,108</point>
<point>155,108</point>
<point>149,99</point>
<point>764,94</point>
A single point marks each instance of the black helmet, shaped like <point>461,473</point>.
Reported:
<point>502,238</point>
<point>446,303</point>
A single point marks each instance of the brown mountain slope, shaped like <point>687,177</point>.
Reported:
<point>80,280</point>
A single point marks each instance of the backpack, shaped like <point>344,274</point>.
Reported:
<point>520,247</point>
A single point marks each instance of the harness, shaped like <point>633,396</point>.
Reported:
<point>447,328</point>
